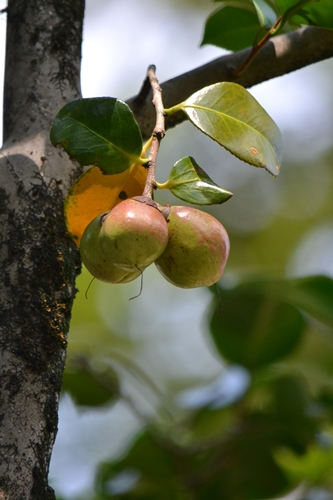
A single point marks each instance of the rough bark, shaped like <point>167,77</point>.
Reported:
<point>38,262</point>
<point>282,54</point>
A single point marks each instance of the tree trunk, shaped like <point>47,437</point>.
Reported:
<point>38,262</point>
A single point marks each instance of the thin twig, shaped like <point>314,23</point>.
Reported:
<point>158,132</point>
<point>238,71</point>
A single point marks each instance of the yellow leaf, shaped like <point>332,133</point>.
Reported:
<point>95,193</point>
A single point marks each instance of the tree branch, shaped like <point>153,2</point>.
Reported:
<point>281,55</point>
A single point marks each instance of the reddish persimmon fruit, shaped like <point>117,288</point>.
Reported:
<point>95,260</point>
<point>197,249</point>
<point>134,234</point>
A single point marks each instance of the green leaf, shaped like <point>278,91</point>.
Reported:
<point>313,294</point>
<point>230,115</point>
<point>312,12</point>
<point>285,5</point>
<point>232,27</point>
<point>318,14</point>
<point>255,328</point>
<point>266,14</point>
<point>190,183</point>
<point>86,390</point>
<point>101,131</point>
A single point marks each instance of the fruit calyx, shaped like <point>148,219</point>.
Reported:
<point>165,210</point>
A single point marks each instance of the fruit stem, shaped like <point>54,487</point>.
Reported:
<point>158,132</point>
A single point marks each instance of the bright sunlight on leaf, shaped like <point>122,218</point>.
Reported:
<point>231,116</point>
<point>94,193</point>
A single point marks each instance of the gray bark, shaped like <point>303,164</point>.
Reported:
<point>281,55</point>
<point>38,262</point>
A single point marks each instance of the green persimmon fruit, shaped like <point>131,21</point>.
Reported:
<point>95,260</point>
<point>134,234</point>
<point>197,250</point>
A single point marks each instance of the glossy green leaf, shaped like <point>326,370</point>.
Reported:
<point>254,328</point>
<point>100,131</point>
<point>190,183</point>
<point>230,115</point>
<point>87,390</point>
<point>231,27</point>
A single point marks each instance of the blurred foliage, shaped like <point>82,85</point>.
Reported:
<point>238,24</point>
<point>199,437</point>
<point>264,443</point>
<point>255,447</point>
